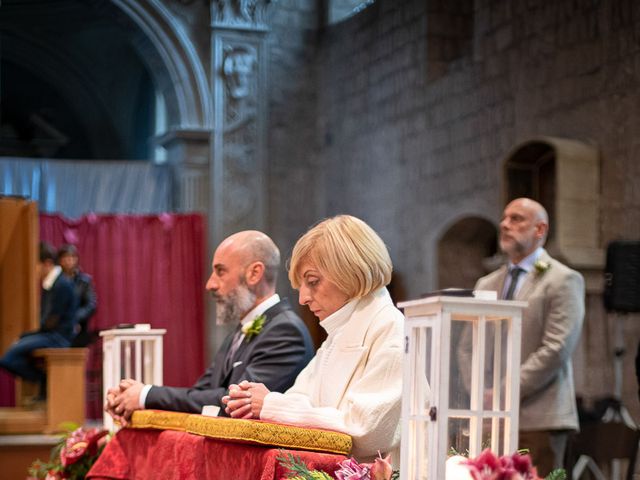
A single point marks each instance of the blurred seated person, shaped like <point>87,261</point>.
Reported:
<point>354,382</point>
<point>83,286</point>
<point>273,351</point>
<point>58,306</point>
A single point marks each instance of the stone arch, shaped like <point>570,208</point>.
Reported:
<point>564,176</point>
<point>462,251</point>
<point>186,81</point>
<point>110,64</point>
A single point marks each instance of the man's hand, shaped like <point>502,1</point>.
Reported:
<point>124,400</point>
<point>109,405</point>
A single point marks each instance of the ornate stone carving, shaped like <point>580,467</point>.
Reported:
<point>238,71</point>
<point>241,13</point>
<point>238,68</point>
<point>238,184</point>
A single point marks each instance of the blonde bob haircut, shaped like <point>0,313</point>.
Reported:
<point>347,251</point>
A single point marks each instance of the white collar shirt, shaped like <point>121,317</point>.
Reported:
<point>526,264</point>
<point>51,277</point>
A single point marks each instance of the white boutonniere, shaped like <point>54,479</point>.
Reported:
<point>541,266</point>
<point>253,328</point>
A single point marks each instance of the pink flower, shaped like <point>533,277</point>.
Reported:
<point>381,468</point>
<point>352,470</point>
<point>487,466</point>
<point>522,463</point>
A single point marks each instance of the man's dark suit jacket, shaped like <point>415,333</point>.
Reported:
<point>274,357</point>
<point>58,307</point>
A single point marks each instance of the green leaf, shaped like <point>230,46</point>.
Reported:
<point>558,474</point>
<point>298,470</point>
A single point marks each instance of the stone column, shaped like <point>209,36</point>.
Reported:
<point>188,154</point>
<point>237,183</point>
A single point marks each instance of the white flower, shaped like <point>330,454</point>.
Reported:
<point>541,266</point>
<point>253,328</point>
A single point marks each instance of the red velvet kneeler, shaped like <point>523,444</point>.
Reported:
<point>167,454</point>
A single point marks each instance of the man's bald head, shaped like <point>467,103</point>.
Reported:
<point>254,246</point>
<point>523,228</point>
<point>244,271</point>
<point>535,208</point>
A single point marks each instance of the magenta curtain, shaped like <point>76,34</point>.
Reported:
<point>146,269</point>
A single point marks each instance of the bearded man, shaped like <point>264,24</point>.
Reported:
<point>270,344</point>
<point>551,327</point>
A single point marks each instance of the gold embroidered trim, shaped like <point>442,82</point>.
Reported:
<point>159,419</point>
<point>246,431</point>
<point>273,434</point>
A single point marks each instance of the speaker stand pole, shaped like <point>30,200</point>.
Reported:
<point>618,413</point>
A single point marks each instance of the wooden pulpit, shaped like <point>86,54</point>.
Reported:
<point>19,291</point>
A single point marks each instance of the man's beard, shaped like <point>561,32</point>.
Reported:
<point>511,246</point>
<point>233,306</point>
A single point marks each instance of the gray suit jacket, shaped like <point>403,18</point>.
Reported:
<point>274,357</point>
<point>551,327</point>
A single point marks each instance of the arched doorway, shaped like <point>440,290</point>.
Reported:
<point>96,80</point>
<point>530,171</point>
<point>462,251</point>
<point>564,176</point>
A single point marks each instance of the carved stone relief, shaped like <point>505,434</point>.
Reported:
<point>239,76</point>
<point>242,169</point>
<point>238,69</point>
<point>241,13</point>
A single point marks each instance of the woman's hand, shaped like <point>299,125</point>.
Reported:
<point>245,400</point>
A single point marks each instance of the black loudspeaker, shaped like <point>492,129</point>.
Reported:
<point>622,277</point>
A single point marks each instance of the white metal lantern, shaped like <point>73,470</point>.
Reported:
<point>461,382</point>
<point>130,353</point>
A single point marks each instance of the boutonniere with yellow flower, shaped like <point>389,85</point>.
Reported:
<point>541,266</point>
<point>253,328</point>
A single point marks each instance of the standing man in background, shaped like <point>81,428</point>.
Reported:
<point>270,344</point>
<point>83,286</point>
<point>551,327</point>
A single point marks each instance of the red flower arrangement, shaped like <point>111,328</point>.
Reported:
<point>72,457</point>
<point>488,466</point>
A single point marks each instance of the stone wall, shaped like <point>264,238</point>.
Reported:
<point>296,191</point>
<point>389,117</point>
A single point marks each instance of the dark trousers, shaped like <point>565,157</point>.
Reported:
<point>18,361</point>
<point>546,447</point>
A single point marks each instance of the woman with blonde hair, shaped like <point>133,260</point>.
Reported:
<point>353,384</point>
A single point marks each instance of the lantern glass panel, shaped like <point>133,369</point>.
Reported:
<point>421,382</point>
<point>428,346</point>
<point>459,369</point>
<point>493,434</point>
<point>458,434</point>
<point>420,442</point>
<point>495,365</point>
